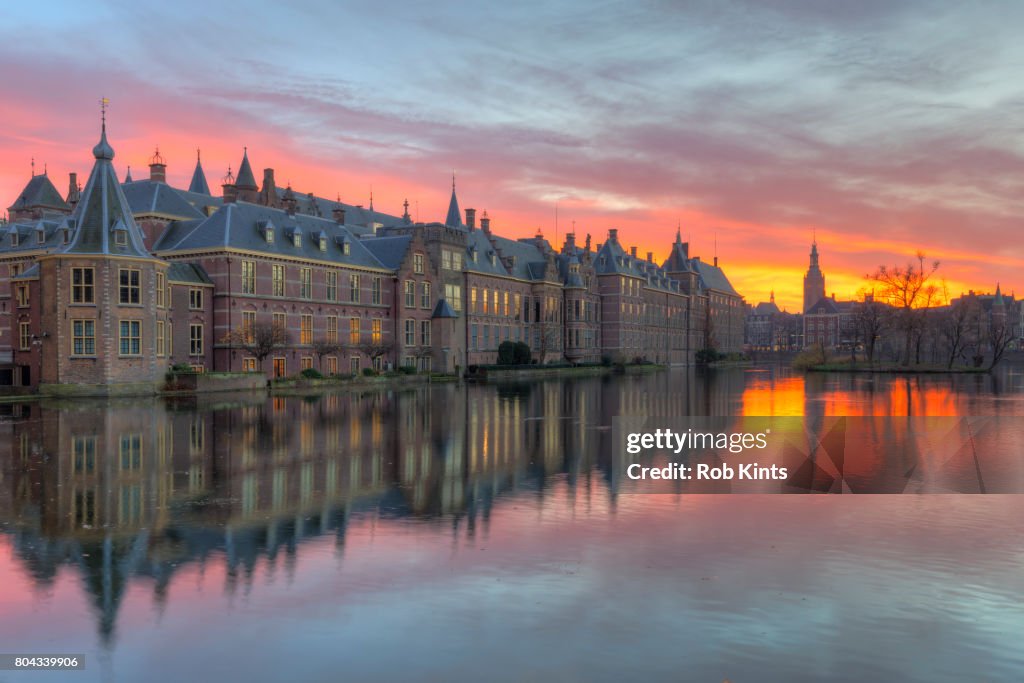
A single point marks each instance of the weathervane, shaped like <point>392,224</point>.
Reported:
<point>103,111</point>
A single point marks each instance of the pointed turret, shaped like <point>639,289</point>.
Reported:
<point>128,176</point>
<point>245,180</point>
<point>454,218</point>
<point>103,220</point>
<point>198,184</point>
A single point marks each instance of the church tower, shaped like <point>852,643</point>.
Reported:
<point>814,280</point>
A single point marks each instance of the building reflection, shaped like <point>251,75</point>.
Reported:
<point>124,491</point>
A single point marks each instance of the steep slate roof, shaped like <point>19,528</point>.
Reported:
<point>198,184</point>
<point>443,310</point>
<point>712,277</point>
<point>28,232</point>
<point>40,193</point>
<point>357,218</point>
<point>678,260</point>
<point>188,272</point>
<point>389,250</point>
<point>825,306</point>
<point>243,226</point>
<point>103,210</point>
<point>454,217</point>
<point>613,259</point>
<point>245,180</point>
<point>476,241</point>
<point>766,308</point>
<point>150,197</point>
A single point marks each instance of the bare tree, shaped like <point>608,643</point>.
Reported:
<point>550,336</point>
<point>871,320</point>
<point>323,347</point>
<point>259,340</point>
<point>375,350</point>
<point>956,326</point>
<point>1000,334</point>
<point>909,290</point>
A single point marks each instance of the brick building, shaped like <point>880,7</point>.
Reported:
<point>106,288</point>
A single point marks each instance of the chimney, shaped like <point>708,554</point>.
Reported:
<point>613,235</point>
<point>588,241</point>
<point>650,257</point>
<point>73,192</point>
<point>570,242</point>
<point>157,168</point>
<point>716,262</point>
<point>485,223</point>
<point>632,252</point>
<point>230,193</point>
<point>268,195</point>
<point>471,219</point>
<point>339,215</point>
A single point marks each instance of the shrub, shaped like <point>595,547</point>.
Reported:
<point>407,369</point>
<point>311,373</point>
<point>809,357</point>
<point>369,372</point>
<point>507,353</point>
<point>705,356</point>
<point>521,353</point>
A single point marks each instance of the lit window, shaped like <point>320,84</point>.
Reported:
<point>306,329</point>
<point>353,331</point>
<point>376,330</point>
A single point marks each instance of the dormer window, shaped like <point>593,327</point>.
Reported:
<point>491,257</point>
<point>297,239</point>
<point>40,236</point>
<point>268,232</point>
<point>323,242</point>
<point>14,238</point>
<point>65,235</point>
<point>121,237</point>
<point>472,255</point>
<point>346,248</point>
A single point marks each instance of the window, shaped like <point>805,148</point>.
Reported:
<point>305,363</point>
<point>306,328</point>
<point>21,293</point>
<point>129,289</point>
<point>249,325</point>
<point>410,332</point>
<point>487,337</point>
<point>353,288</point>
<point>278,280</point>
<point>487,299</point>
<point>40,237</point>
<point>323,242</point>
<point>424,295</point>
<point>131,338</point>
<point>248,365</point>
<point>161,342</point>
<point>248,277</point>
<point>306,283</point>
<point>24,336</point>
<point>353,331</point>
<point>454,295</point>
<point>506,304</point>
<point>456,260</point>
<point>195,299</point>
<point>517,305</point>
<point>195,339</point>
<point>84,449</point>
<point>472,299</point>
<point>161,284</point>
<point>417,264</point>
<point>472,337</point>
<point>268,233</point>
<point>446,259</point>
<point>332,329</point>
<point>332,285</point>
<point>353,366</point>
<point>424,333</point>
<point>120,237</point>
<point>376,329</point>
<point>375,292</point>
<point>410,293</point>
<point>130,452</point>
<point>332,365</point>
<point>81,285</point>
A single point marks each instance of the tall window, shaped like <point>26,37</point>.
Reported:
<point>332,285</point>
<point>353,288</point>
<point>195,299</point>
<point>83,337</point>
<point>376,330</point>
<point>472,299</point>
<point>131,337</point>
<point>375,292</point>
<point>453,293</point>
<point>249,325</point>
<point>353,331</point>
<point>332,329</point>
<point>24,336</point>
<point>410,332</point>
<point>456,260</point>
<point>21,293</point>
<point>82,285</point>
<point>278,281</point>
<point>306,328</point>
<point>410,293</point>
<point>280,320</point>
<point>161,341</point>
<point>506,304</point>
<point>417,263</point>
<point>161,284</point>
<point>306,283</point>
<point>248,277</point>
<point>129,281</point>
<point>446,259</point>
<point>424,333</point>
<point>424,295</point>
<point>487,301</point>
<point>195,339</point>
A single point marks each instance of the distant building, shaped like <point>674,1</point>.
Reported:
<point>768,328</point>
<point>814,280</point>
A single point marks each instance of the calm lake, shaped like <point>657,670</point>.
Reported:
<point>481,533</point>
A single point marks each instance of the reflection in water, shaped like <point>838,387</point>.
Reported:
<point>141,501</point>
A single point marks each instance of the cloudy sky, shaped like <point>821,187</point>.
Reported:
<point>881,126</point>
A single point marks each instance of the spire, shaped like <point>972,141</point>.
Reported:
<point>128,175</point>
<point>771,297</point>
<point>198,184</point>
<point>103,219</point>
<point>679,232</point>
<point>999,296</point>
<point>245,180</point>
<point>454,218</point>
<point>405,214</point>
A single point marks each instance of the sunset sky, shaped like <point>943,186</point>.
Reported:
<point>883,126</point>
